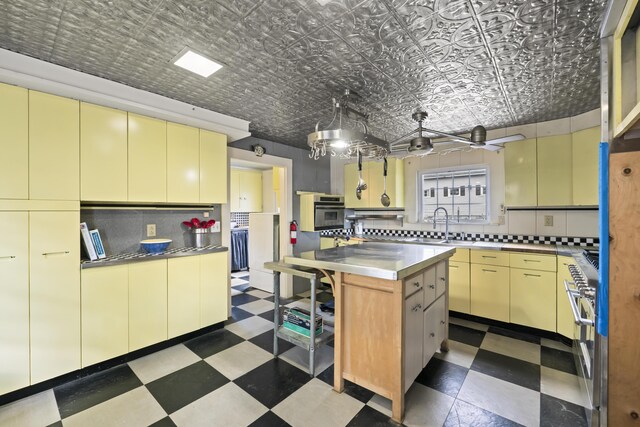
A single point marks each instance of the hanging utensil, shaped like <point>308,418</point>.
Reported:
<point>384,199</point>
<point>361,184</point>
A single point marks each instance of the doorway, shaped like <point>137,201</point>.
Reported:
<point>276,199</point>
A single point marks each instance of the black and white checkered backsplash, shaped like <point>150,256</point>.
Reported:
<point>479,237</point>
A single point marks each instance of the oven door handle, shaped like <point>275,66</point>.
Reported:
<point>572,294</point>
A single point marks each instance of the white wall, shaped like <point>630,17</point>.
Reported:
<point>571,223</point>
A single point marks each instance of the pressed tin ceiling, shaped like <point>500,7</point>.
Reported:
<point>466,62</point>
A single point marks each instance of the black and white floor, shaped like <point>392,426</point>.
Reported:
<point>490,377</point>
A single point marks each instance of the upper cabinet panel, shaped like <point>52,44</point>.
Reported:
<point>147,159</point>
<point>14,142</point>
<point>103,154</point>
<point>520,161</point>
<point>54,147</point>
<point>585,145</point>
<point>213,167</point>
<point>555,171</point>
<point>183,164</point>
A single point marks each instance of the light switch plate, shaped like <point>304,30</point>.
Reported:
<point>205,214</point>
<point>548,220</point>
<point>216,227</point>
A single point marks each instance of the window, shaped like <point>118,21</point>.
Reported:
<point>464,193</point>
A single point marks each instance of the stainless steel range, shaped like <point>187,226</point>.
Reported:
<point>588,348</point>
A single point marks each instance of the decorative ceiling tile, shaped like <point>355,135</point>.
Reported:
<point>467,62</point>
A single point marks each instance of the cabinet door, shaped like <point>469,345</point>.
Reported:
<point>14,143</point>
<point>564,321</point>
<point>533,296</point>
<point>585,148</point>
<point>434,329</point>
<point>183,292</point>
<point>520,173</point>
<point>14,301</point>
<point>440,320</point>
<point>103,154</point>
<point>54,147</point>
<point>350,184</point>
<point>251,191</point>
<point>234,191</point>
<point>213,167</point>
<point>555,171</point>
<point>147,154</point>
<point>147,303</point>
<point>105,313</point>
<point>429,283</point>
<point>413,335</point>
<point>214,286</point>
<point>54,253</point>
<point>490,292</point>
<point>459,286</point>
<point>183,164</point>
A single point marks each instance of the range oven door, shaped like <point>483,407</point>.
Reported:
<point>327,216</point>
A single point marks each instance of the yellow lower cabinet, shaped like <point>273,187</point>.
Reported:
<point>147,303</point>
<point>214,285</point>
<point>533,298</point>
<point>183,292</point>
<point>490,291</point>
<point>14,301</point>
<point>564,322</point>
<point>54,253</point>
<point>105,309</point>
<point>459,286</point>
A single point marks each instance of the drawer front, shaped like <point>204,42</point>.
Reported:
<point>413,284</point>
<point>441,278</point>
<point>461,255</point>
<point>430,286</point>
<point>533,261</point>
<point>532,296</point>
<point>490,257</point>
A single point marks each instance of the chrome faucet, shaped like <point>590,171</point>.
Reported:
<point>446,223</point>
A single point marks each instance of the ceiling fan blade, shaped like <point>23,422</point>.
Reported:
<point>490,147</point>
<point>510,138</point>
<point>398,140</point>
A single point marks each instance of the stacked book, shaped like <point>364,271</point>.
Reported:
<point>298,320</point>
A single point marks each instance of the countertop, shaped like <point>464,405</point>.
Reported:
<point>381,260</point>
<point>130,258</point>
<point>551,249</point>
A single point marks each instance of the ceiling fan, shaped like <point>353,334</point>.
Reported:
<point>477,138</point>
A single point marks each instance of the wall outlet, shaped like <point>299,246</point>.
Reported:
<point>216,227</point>
<point>548,220</point>
<point>151,230</point>
<point>205,214</point>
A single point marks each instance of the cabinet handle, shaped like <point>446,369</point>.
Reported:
<point>56,253</point>
<point>453,266</point>
<point>442,278</point>
<point>442,322</point>
<point>417,307</point>
<point>531,260</point>
<point>432,286</point>
<point>531,275</point>
<point>432,334</point>
<point>7,256</point>
<point>489,271</point>
<point>488,256</point>
<point>416,284</point>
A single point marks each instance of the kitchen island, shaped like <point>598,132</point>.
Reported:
<point>390,312</point>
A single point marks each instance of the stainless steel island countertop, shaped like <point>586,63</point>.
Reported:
<point>381,260</point>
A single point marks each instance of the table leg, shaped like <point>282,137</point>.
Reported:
<point>312,334</point>
<point>276,310</point>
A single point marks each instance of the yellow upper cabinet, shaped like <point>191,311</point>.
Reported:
<point>234,190</point>
<point>373,175</point>
<point>555,171</point>
<point>103,153</point>
<point>213,167</point>
<point>585,144</point>
<point>14,142</point>
<point>245,190</point>
<point>54,147</point>
<point>183,164</point>
<point>520,170</point>
<point>147,159</point>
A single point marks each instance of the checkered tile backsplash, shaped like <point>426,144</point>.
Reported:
<point>480,237</point>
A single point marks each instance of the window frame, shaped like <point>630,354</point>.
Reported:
<point>452,217</point>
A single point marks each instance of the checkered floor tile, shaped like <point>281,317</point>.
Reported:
<point>490,376</point>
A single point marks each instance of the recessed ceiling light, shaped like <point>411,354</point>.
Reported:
<point>196,63</point>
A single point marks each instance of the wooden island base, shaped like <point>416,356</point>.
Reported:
<point>386,331</point>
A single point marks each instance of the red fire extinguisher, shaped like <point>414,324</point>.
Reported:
<point>293,230</point>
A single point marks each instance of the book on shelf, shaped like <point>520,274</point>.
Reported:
<point>97,243</point>
<point>89,249</point>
